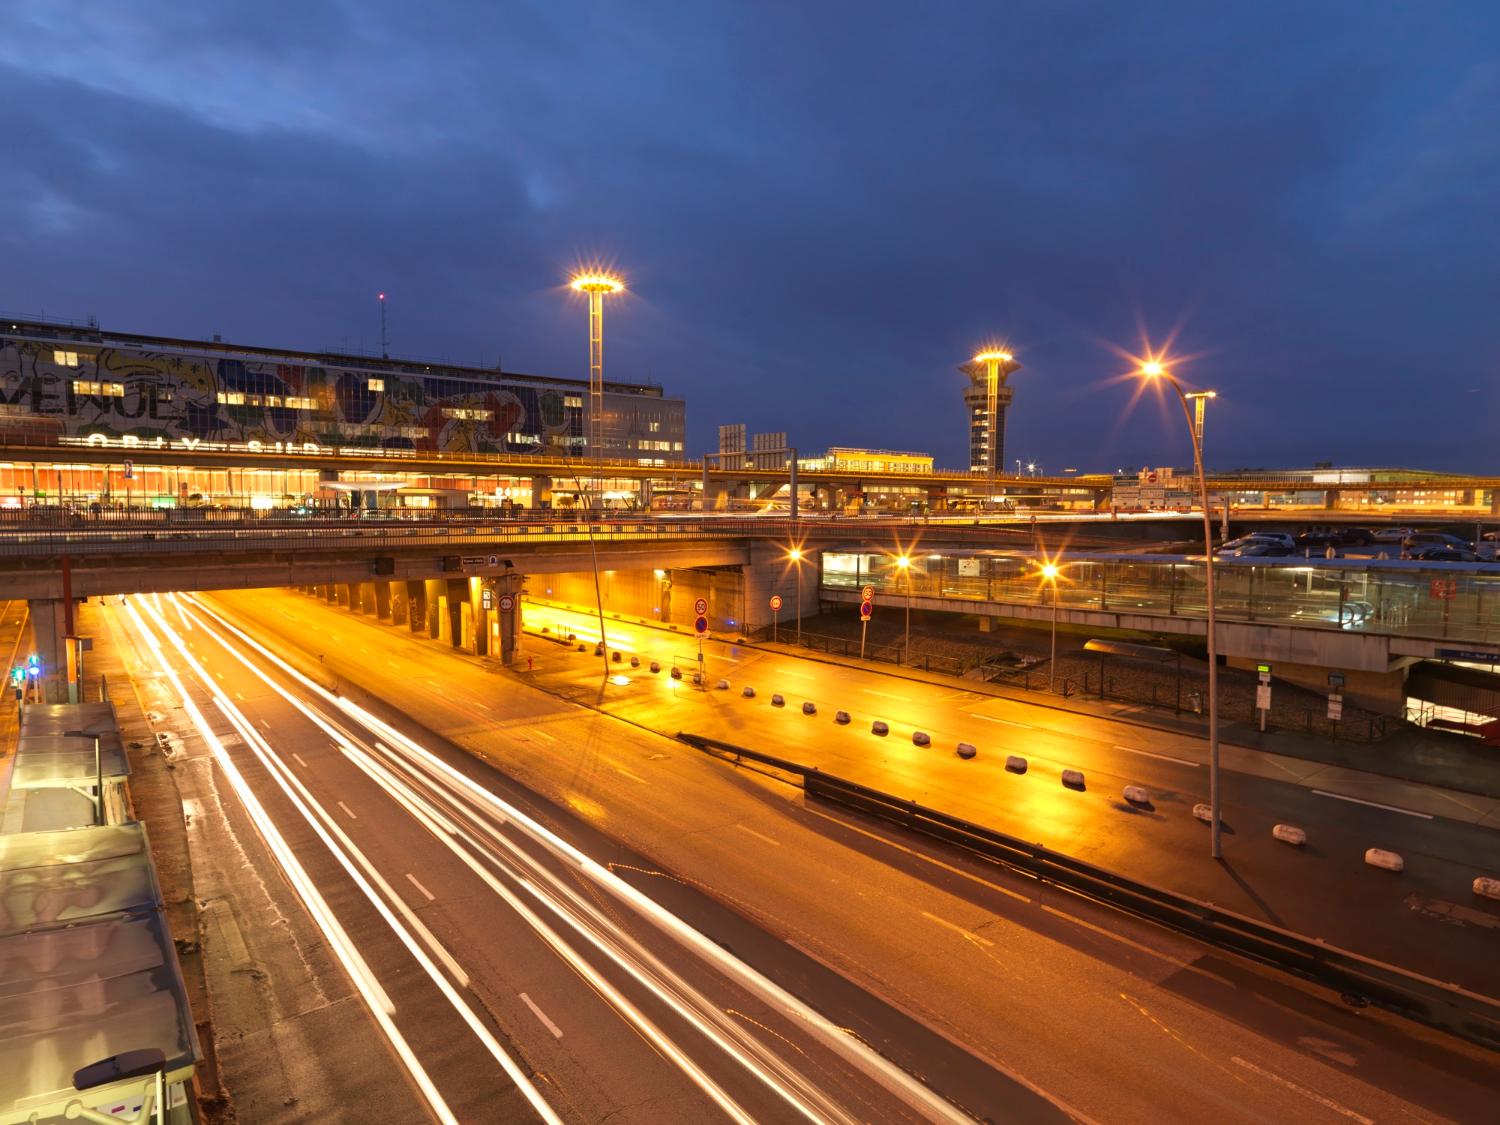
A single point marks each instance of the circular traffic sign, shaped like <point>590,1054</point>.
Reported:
<point>865,609</point>
<point>1151,477</point>
<point>701,625</point>
<point>700,607</point>
<point>507,602</point>
<point>775,601</point>
<point>868,593</point>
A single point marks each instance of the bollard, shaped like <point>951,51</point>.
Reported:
<point>777,701</point>
<point>1290,834</point>
<point>748,693</point>
<point>1073,779</point>
<point>656,666</point>
<point>583,648</point>
<point>615,656</point>
<point>841,716</point>
<point>635,661</point>
<point>1137,795</point>
<point>697,677</point>
<point>1487,886</point>
<point>967,750</point>
<point>1388,861</point>
<point>722,685</point>
<point>677,673</point>
<point>1014,763</point>
<point>880,726</point>
<point>809,708</point>
<point>921,738</point>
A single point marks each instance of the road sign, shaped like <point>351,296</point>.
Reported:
<point>1444,589</point>
<point>865,609</point>
<point>1335,680</point>
<point>1471,656</point>
<point>775,601</point>
<point>701,625</point>
<point>486,598</point>
<point>129,470</point>
<point>473,560</point>
<point>1335,707</point>
<point>1263,696</point>
<point>867,594</point>
<point>1151,477</point>
<point>507,602</point>
<point>494,560</point>
<point>700,607</point>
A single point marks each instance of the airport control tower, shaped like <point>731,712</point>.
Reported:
<point>986,398</point>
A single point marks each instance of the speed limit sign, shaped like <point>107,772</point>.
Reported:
<point>775,601</point>
<point>700,607</point>
<point>867,594</point>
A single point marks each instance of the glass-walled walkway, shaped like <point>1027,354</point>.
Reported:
<point>1448,601</point>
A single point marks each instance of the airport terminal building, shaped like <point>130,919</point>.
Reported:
<point>64,385</point>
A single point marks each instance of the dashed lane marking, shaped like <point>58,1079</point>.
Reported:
<point>541,1015</point>
<point>300,762</point>
<point>348,811</point>
<point>996,719</point>
<point>1163,757</point>
<point>428,895</point>
<point>1373,804</point>
<point>758,835</point>
<point>968,935</point>
<point>1326,1103</point>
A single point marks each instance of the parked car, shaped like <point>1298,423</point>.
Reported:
<point>1281,537</point>
<point>1433,539</point>
<point>1441,553</point>
<point>1391,534</point>
<point>1262,549</point>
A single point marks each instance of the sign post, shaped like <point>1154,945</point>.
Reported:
<point>775,615</point>
<point>866,607</point>
<point>1263,693</point>
<point>700,625</point>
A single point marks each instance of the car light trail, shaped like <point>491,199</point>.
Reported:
<point>322,823</point>
<point>369,989</point>
<point>854,1052</point>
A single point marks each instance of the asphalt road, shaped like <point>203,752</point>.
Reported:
<point>511,972</point>
<point>1107,1017</point>
<point>1426,919</point>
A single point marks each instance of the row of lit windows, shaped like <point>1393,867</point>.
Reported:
<point>289,402</point>
<point>64,359</point>
<point>663,446</point>
<point>92,387</point>
<point>472,413</point>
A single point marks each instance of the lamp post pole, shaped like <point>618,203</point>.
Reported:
<point>1155,370</point>
<point>1052,664</point>
<point>795,554</point>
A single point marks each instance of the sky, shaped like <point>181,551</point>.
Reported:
<point>820,209</point>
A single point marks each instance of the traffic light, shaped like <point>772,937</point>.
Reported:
<point>18,675</point>
<point>33,665</point>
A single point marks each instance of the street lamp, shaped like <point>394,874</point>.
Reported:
<point>596,285</point>
<point>98,772</point>
<point>903,563</point>
<point>1050,572</point>
<point>795,555</point>
<point>1153,369</point>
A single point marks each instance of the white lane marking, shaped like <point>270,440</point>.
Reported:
<point>799,675</point>
<point>758,835</point>
<point>240,697</point>
<point>886,695</point>
<point>956,929</point>
<point>1373,804</point>
<point>425,892</point>
<point>348,810</point>
<point>265,724</point>
<point>1327,1103</point>
<point>1007,722</point>
<point>1163,757</point>
<point>393,664</point>
<point>541,1015</point>
<point>1117,937</point>
<point>544,735</point>
<point>300,762</point>
<point>627,773</point>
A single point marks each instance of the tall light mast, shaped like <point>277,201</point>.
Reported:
<point>596,285</point>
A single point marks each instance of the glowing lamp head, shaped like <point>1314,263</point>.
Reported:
<point>1152,368</point>
<point>597,283</point>
<point>795,554</point>
<point>903,561</point>
<point>381,296</point>
<point>1049,571</point>
<point>993,356</point>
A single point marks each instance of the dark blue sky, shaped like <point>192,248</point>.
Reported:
<point>821,208</point>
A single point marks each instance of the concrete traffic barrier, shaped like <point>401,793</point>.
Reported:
<point>921,738</point>
<point>722,685</point>
<point>841,716</point>
<point>748,693</point>
<point>1290,834</point>
<point>777,700</point>
<point>1487,886</point>
<point>1388,861</point>
<point>809,708</point>
<point>967,750</point>
<point>1072,779</point>
<point>880,726</point>
<point>1015,763</point>
<point>656,666</point>
<point>677,673</point>
<point>1137,795</point>
<point>1205,813</point>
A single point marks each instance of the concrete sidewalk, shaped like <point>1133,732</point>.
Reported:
<point>1459,784</point>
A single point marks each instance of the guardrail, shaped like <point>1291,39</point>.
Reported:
<point>1357,979</point>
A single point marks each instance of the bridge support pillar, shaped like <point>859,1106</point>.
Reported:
<point>506,629</point>
<point>48,628</point>
<point>330,593</point>
<point>382,600</point>
<point>541,492</point>
<point>1330,499</point>
<point>769,572</point>
<point>367,597</point>
<point>436,588</point>
<point>416,605</point>
<point>348,596</point>
<point>456,601</point>
<point>1495,502</point>
<point>395,593</point>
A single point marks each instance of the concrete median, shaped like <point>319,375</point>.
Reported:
<point>1014,763</point>
<point>1385,860</point>
<point>1073,779</point>
<point>967,750</point>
